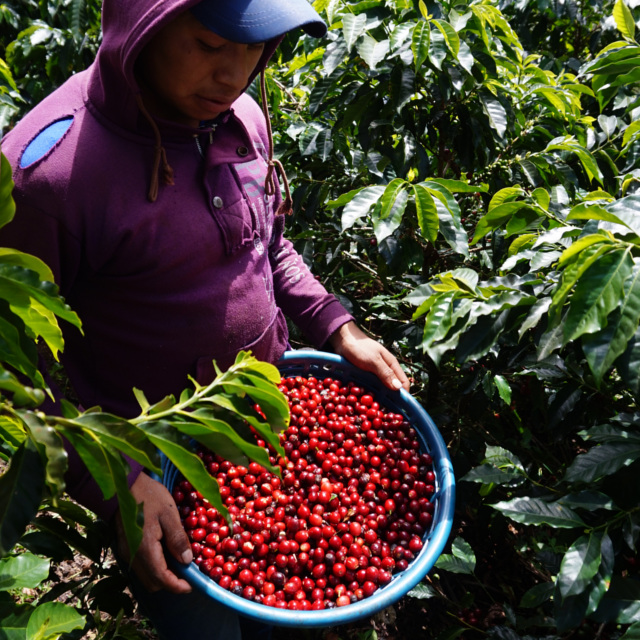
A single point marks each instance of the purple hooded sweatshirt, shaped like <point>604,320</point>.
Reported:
<point>163,287</point>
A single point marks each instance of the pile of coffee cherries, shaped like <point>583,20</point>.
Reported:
<point>350,509</point>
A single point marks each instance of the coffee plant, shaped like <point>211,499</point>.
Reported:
<point>486,189</point>
<point>466,181</point>
<point>36,518</point>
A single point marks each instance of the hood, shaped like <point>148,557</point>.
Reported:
<point>127,26</point>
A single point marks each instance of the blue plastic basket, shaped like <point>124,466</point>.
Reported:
<point>323,365</point>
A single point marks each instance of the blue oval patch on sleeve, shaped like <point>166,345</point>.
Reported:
<point>45,141</point>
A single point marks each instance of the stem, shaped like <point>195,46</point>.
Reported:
<point>181,407</point>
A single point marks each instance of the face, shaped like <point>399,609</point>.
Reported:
<point>189,74</point>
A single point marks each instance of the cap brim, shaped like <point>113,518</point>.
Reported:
<point>251,21</point>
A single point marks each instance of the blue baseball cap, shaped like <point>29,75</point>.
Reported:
<point>252,21</point>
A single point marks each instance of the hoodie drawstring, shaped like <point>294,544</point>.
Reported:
<point>160,162</point>
<point>159,157</point>
<point>286,207</point>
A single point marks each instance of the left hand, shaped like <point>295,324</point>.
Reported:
<point>350,342</point>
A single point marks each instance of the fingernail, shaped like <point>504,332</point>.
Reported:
<point>187,556</point>
<point>396,383</point>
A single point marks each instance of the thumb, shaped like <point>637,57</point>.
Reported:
<point>175,537</point>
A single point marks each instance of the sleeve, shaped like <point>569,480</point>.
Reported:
<point>315,311</point>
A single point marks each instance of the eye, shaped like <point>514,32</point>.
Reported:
<point>206,47</point>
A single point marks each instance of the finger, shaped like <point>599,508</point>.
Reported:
<point>401,376</point>
<point>390,372</point>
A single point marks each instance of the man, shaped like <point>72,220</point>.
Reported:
<point>146,184</point>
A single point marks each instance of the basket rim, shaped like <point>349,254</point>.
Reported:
<point>402,582</point>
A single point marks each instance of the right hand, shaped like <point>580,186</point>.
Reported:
<point>161,524</point>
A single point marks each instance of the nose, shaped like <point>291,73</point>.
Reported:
<point>236,67</point>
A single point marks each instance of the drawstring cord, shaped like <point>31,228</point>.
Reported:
<point>286,207</point>
<point>159,156</point>
<point>160,163</point>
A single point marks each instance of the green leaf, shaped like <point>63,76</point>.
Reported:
<point>119,435</point>
<point>611,433</point>
<point>14,620</point>
<point>175,446</point>
<point>208,434</point>
<point>372,51</point>
<point>465,57</point>
<point>542,197</point>
<point>572,274</point>
<point>503,458</point>
<point>43,323</point>
<point>537,311</point>
<point>602,580</point>
<point>579,564</point>
<point>7,205</point>
<point>624,19</point>
<point>353,27</point>
<point>22,285</point>
<point>402,87</point>
<point>24,571</point>
<point>583,252</point>
<point>628,366</point>
<point>437,49</point>
<point>619,212</point>
<point>51,619</point>
<point>496,114</point>
<point>535,511</point>
<point>426,212</point>
<point>604,347</point>
<point>20,259</point>
<point>52,450</point>
<point>45,544</point>
<point>489,474</point>
<point>537,595</point>
<point>438,320</point>
<point>422,591</point>
<point>21,488</point>
<point>390,195</point>
<point>457,186</point>
<point>587,500</point>
<point>130,510</point>
<point>142,400</point>
<point>54,526</point>
<point>12,431</point>
<point>360,205</point>
<point>504,390</point>
<point>420,40</point>
<point>602,460</point>
<point>496,218</point>
<point>621,603</point>
<point>461,560</point>
<point>272,403</point>
<point>630,132</point>
<point>585,157</point>
<point>627,211</point>
<point>597,294</point>
<point>383,228</point>
<point>451,38</point>
<point>95,457</point>
<point>238,406</point>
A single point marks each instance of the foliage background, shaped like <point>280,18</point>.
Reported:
<point>466,180</point>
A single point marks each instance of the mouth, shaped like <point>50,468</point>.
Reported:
<point>217,104</point>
